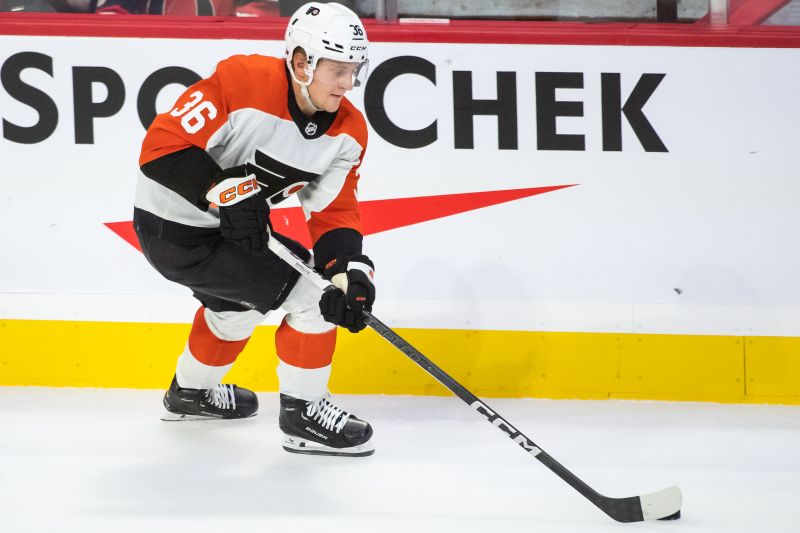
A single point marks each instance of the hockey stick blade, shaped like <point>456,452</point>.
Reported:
<point>662,505</point>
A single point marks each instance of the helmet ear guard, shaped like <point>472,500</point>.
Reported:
<point>308,70</point>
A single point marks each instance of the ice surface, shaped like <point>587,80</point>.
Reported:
<point>93,460</point>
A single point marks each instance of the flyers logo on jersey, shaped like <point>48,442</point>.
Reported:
<point>233,190</point>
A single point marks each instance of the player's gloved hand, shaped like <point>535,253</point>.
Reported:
<point>355,292</point>
<point>243,210</point>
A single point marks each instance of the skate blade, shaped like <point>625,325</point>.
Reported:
<point>307,447</point>
<point>178,417</point>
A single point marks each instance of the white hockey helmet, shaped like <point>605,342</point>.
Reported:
<point>329,31</point>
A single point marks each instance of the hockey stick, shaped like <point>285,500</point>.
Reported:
<point>661,505</point>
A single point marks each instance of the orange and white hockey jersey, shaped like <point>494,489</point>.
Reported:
<point>245,113</point>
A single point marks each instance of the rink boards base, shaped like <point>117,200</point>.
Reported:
<point>490,363</point>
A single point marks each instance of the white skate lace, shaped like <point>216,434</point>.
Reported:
<point>328,415</point>
<point>222,396</point>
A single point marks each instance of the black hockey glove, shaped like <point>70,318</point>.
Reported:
<point>355,292</point>
<point>243,210</point>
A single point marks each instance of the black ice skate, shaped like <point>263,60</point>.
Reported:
<point>321,428</point>
<point>223,401</point>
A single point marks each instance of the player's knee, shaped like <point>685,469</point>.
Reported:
<point>233,325</point>
<point>309,321</point>
<point>302,308</point>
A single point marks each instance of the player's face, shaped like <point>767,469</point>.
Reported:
<point>332,79</point>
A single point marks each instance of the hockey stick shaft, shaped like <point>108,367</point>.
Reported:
<point>665,504</point>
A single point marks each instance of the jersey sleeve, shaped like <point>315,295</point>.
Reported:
<point>175,148</point>
<point>339,182</point>
<point>330,204</point>
<point>196,116</point>
<point>331,201</point>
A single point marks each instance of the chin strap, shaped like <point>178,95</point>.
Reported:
<point>304,85</point>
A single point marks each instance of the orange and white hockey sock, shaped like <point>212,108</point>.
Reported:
<point>215,341</point>
<point>305,357</point>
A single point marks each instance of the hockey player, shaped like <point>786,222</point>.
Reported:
<point>257,131</point>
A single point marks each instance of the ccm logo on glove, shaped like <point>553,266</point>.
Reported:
<point>233,190</point>
<point>243,209</point>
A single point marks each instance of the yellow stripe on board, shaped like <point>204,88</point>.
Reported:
<point>488,363</point>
